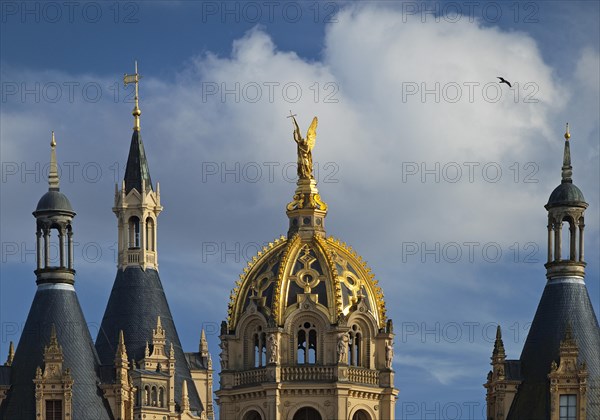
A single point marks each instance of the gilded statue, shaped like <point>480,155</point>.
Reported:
<point>305,146</point>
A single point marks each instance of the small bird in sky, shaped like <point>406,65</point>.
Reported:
<point>503,80</point>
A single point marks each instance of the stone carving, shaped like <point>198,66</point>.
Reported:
<point>389,353</point>
<point>342,348</point>
<point>224,355</point>
<point>273,342</point>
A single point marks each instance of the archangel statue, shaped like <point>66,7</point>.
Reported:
<point>305,146</point>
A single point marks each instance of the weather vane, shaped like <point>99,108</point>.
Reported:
<point>134,78</point>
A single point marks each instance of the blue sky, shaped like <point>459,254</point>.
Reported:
<point>437,178</point>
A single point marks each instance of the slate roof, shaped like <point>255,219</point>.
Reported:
<point>5,375</point>
<point>513,370</point>
<point>58,306</point>
<point>561,303</point>
<point>196,361</point>
<point>136,301</point>
<point>52,201</point>
<point>565,193</point>
<point>137,165</point>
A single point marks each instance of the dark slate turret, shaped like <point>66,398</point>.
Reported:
<point>55,317</point>
<point>564,310</point>
<point>137,298</point>
<point>136,171</point>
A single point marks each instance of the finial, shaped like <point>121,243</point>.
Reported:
<point>121,350</point>
<point>53,180</point>
<point>134,78</point>
<point>185,400</point>
<point>499,351</point>
<point>567,169</point>
<point>11,354</point>
<point>203,344</point>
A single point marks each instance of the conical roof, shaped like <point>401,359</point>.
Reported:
<point>136,301</point>
<point>58,305</point>
<point>137,170</point>
<point>55,307</point>
<point>561,304</point>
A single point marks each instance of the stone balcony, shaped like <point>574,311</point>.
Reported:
<point>311,373</point>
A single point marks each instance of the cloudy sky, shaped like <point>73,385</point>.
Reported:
<point>435,173</point>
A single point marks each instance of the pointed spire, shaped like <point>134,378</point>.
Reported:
<point>499,353</point>
<point>11,354</point>
<point>53,181</point>
<point>134,78</point>
<point>185,400</point>
<point>567,169</point>
<point>121,349</point>
<point>203,344</point>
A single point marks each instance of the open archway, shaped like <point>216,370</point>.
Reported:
<point>307,413</point>
<point>252,415</point>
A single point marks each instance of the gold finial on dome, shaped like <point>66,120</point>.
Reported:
<point>305,146</point>
<point>306,210</point>
<point>134,78</point>
<point>567,134</point>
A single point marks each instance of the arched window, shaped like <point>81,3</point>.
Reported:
<point>146,395</point>
<point>154,396</point>
<point>150,234</point>
<point>134,232</point>
<point>54,251</point>
<point>252,415</point>
<point>307,413</point>
<point>361,415</point>
<point>161,397</point>
<point>307,343</point>
<point>259,345</point>
<point>355,346</point>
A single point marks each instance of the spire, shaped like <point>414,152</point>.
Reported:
<point>306,211</point>
<point>185,400</point>
<point>137,174</point>
<point>499,353</point>
<point>53,181</point>
<point>134,78</point>
<point>11,354</point>
<point>121,349</point>
<point>203,344</point>
<point>567,169</point>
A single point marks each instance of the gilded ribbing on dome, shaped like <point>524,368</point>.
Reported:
<point>277,309</point>
<point>238,293</point>
<point>334,274</point>
<point>378,293</point>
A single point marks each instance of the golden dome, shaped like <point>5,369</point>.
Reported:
<point>317,265</point>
